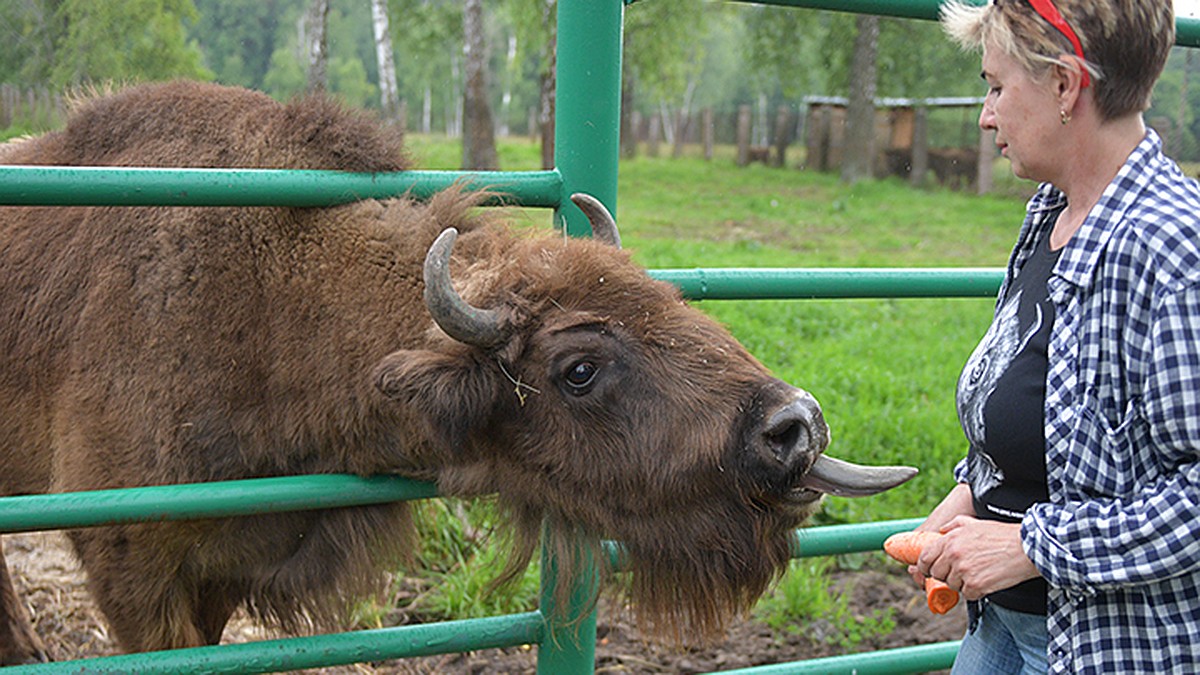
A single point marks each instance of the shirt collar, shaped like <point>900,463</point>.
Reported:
<point>1082,253</point>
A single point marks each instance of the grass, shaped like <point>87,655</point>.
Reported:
<point>884,370</point>
<point>803,599</point>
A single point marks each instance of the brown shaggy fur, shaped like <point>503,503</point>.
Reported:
<point>163,345</point>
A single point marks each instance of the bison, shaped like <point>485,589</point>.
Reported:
<point>162,345</point>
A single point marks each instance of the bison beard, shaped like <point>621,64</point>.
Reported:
<point>168,345</point>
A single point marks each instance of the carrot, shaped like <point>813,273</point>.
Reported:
<point>906,548</point>
<point>940,597</point>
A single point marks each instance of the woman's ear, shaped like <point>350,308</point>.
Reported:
<point>1069,78</point>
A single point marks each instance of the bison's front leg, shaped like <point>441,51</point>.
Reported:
<point>18,642</point>
<point>142,582</point>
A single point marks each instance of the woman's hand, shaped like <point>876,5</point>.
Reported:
<point>977,557</point>
<point>958,502</point>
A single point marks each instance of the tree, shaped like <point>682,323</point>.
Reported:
<point>916,60</point>
<point>548,82</point>
<point>389,94</point>
<point>29,33</point>
<point>663,53</point>
<point>785,51</point>
<point>238,37</point>
<point>479,138</point>
<point>534,25</point>
<point>315,46</point>
<point>124,41</point>
<point>860,112</point>
<point>427,35</point>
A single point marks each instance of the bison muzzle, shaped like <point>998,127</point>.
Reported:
<point>163,345</point>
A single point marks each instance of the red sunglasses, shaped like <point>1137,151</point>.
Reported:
<point>1047,10</point>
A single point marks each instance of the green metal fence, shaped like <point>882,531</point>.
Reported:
<point>587,120</point>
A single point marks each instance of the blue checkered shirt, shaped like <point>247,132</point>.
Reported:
<point>1119,539</point>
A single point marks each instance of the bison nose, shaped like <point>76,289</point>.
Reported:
<point>796,433</point>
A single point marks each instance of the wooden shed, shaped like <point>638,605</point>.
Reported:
<point>902,143</point>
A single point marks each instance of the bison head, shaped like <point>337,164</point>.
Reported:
<point>584,393</point>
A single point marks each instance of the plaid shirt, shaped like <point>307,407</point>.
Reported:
<point>1119,540</point>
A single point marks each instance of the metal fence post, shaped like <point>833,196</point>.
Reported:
<point>587,122</point>
<point>587,116</point>
<point>568,642</point>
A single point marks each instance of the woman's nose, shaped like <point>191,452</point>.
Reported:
<point>987,118</point>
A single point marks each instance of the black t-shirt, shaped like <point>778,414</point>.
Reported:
<point>1001,403</point>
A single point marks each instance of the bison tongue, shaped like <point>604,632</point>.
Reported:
<point>841,478</point>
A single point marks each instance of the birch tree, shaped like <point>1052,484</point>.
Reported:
<point>315,49</point>
<point>389,95</point>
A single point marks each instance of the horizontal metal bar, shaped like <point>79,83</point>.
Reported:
<point>141,186</point>
<point>317,651</point>
<point>775,283</point>
<point>898,661</point>
<point>28,513</point>
<point>903,9</point>
<point>1187,29</point>
<point>203,500</point>
<point>812,542</point>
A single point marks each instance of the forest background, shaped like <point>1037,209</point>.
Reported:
<point>680,56</point>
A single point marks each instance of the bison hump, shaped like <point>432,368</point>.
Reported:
<point>195,124</point>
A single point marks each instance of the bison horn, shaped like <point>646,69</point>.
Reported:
<point>604,227</point>
<point>841,478</point>
<point>461,321</point>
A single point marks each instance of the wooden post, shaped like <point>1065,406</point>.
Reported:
<point>743,135</point>
<point>920,146</point>
<point>987,157</point>
<point>706,132</point>
<point>783,135</point>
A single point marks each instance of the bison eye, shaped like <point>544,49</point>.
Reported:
<point>581,376</point>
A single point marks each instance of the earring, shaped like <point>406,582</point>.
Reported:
<point>1064,116</point>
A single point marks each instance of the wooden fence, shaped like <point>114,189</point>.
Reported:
<point>31,108</point>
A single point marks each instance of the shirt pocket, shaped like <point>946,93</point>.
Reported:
<point>1109,458</point>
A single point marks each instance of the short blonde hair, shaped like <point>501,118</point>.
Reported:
<point>1125,42</point>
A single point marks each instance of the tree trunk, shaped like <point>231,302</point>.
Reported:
<point>683,118</point>
<point>479,137</point>
<point>706,132</point>
<point>389,95</point>
<point>427,111</point>
<point>506,98</point>
<point>859,157</point>
<point>548,83</point>
<point>1181,114</point>
<point>630,120</point>
<point>314,45</point>
<point>654,135</point>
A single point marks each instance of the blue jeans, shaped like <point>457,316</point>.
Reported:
<point>1003,642</point>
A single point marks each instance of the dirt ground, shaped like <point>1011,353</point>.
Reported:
<point>46,574</point>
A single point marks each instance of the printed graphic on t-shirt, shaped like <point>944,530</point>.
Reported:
<point>1003,341</point>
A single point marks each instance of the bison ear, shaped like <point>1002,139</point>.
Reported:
<point>454,392</point>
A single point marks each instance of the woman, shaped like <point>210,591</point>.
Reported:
<point>1073,528</point>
